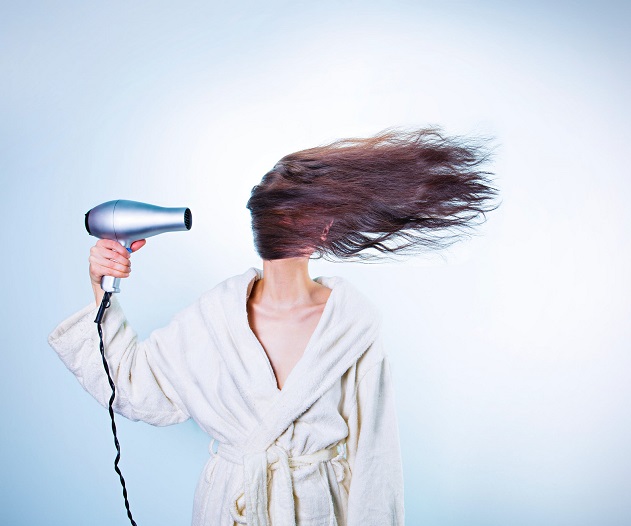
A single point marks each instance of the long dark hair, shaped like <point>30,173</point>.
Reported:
<point>398,192</point>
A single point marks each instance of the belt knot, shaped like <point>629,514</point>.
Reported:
<point>250,505</point>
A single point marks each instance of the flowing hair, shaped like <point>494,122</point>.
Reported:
<point>398,192</point>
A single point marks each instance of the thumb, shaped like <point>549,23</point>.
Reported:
<point>137,244</point>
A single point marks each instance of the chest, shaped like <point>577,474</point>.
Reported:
<point>284,337</point>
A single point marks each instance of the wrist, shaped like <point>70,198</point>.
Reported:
<point>98,293</point>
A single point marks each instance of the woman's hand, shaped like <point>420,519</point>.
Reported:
<point>109,258</point>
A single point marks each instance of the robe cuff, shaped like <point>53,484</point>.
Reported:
<point>66,337</point>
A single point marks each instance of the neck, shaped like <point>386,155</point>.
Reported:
<point>285,284</point>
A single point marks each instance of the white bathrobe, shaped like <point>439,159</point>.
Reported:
<point>322,451</point>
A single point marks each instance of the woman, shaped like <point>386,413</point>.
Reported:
<point>288,374</point>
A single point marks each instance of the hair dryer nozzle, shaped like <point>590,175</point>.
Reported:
<point>87,222</point>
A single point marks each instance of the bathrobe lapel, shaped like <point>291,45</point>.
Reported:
<point>221,309</point>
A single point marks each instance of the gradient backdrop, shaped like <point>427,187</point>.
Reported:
<point>510,352</point>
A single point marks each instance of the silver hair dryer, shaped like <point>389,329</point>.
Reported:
<point>128,221</point>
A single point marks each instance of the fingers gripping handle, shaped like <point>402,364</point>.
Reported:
<point>110,283</point>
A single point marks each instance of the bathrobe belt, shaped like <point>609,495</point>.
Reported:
<point>256,466</point>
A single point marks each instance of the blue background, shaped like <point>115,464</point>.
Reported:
<point>510,351</point>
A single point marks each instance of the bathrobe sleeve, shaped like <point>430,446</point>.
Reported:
<point>143,372</point>
<point>373,450</point>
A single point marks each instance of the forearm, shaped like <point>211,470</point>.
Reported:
<point>139,383</point>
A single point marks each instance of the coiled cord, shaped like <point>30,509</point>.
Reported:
<point>105,303</point>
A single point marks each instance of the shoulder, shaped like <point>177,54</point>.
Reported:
<point>352,299</point>
<point>360,316</point>
<point>234,286</point>
<point>228,291</point>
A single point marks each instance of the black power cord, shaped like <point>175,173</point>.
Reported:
<point>105,303</point>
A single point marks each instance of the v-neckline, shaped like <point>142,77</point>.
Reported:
<point>256,341</point>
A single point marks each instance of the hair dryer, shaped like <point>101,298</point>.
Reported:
<point>127,221</point>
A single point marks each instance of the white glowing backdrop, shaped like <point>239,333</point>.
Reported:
<point>510,352</point>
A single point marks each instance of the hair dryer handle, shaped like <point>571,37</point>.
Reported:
<point>110,284</point>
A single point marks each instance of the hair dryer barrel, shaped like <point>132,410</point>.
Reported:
<point>127,221</point>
